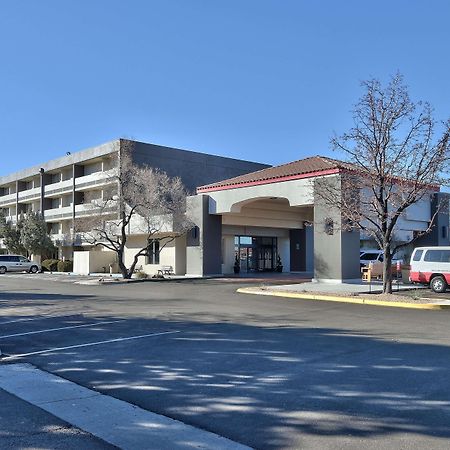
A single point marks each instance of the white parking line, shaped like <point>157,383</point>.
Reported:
<point>49,330</point>
<point>55,349</point>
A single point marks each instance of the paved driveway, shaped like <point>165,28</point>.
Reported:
<point>265,372</point>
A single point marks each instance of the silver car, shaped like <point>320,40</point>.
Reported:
<point>17,263</point>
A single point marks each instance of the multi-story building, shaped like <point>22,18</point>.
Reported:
<point>244,213</point>
<point>61,188</point>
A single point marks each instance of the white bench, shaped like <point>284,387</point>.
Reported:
<point>165,270</point>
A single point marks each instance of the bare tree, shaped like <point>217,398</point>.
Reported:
<point>140,200</point>
<point>393,162</point>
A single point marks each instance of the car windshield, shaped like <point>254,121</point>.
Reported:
<point>369,256</point>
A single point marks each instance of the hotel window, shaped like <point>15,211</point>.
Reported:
<point>153,252</point>
<point>55,178</point>
<point>54,228</point>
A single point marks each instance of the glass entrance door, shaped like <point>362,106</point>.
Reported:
<point>256,254</point>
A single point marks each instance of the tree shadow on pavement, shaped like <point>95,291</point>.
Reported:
<point>266,386</point>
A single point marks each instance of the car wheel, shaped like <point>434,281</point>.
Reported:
<point>2,269</point>
<point>34,269</point>
<point>438,284</point>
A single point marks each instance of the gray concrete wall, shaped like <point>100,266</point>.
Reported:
<point>194,168</point>
<point>336,251</point>
<point>204,242</point>
<point>440,201</point>
<point>309,243</point>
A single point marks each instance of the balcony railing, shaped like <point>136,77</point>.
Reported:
<point>58,213</point>
<point>68,239</point>
<point>59,188</point>
<point>95,179</point>
<point>11,219</point>
<point>30,194</point>
<point>92,209</point>
<point>8,199</point>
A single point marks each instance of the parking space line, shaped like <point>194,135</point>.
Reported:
<point>89,344</point>
<point>49,330</point>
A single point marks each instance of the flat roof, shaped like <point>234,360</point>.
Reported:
<point>63,161</point>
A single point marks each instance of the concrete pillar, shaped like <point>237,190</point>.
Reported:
<point>45,203</point>
<point>77,171</point>
<point>284,251</point>
<point>17,203</point>
<point>180,255</point>
<point>309,248</point>
<point>336,250</point>
<point>204,241</point>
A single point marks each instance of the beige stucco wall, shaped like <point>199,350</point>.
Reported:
<point>173,254</point>
<point>93,261</point>
<point>297,192</point>
<point>270,213</point>
<point>227,253</point>
<point>285,253</point>
<point>180,255</point>
<point>66,253</point>
<point>134,244</point>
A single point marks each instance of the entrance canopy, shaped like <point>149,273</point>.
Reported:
<point>276,204</point>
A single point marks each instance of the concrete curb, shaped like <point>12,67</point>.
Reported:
<point>335,298</point>
<point>114,421</point>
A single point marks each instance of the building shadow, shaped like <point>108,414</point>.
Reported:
<point>266,386</point>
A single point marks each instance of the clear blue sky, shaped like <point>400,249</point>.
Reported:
<point>265,80</point>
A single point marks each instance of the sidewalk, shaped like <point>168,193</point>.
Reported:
<point>119,423</point>
<point>403,295</point>
<point>97,278</point>
<point>375,287</point>
<point>23,425</point>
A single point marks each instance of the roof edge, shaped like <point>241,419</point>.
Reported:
<point>225,187</point>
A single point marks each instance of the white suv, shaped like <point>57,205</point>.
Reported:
<point>17,263</point>
<point>373,256</point>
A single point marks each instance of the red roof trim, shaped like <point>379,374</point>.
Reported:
<point>267,181</point>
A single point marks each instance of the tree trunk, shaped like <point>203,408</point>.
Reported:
<point>387,271</point>
<point>122,266</point>
<point>123,231</point>
<point>133,266</point>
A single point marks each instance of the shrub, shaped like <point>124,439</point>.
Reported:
<point>65,266</point>
<point>141,275</point>
<point>50,265</point>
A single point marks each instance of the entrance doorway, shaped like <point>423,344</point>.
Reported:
<point>255,253</point>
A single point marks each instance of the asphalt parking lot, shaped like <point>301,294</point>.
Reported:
<point>265,372</point>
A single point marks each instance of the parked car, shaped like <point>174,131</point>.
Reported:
<point>367,256</point>
<point>17,263</point>
<point>431,266</point>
